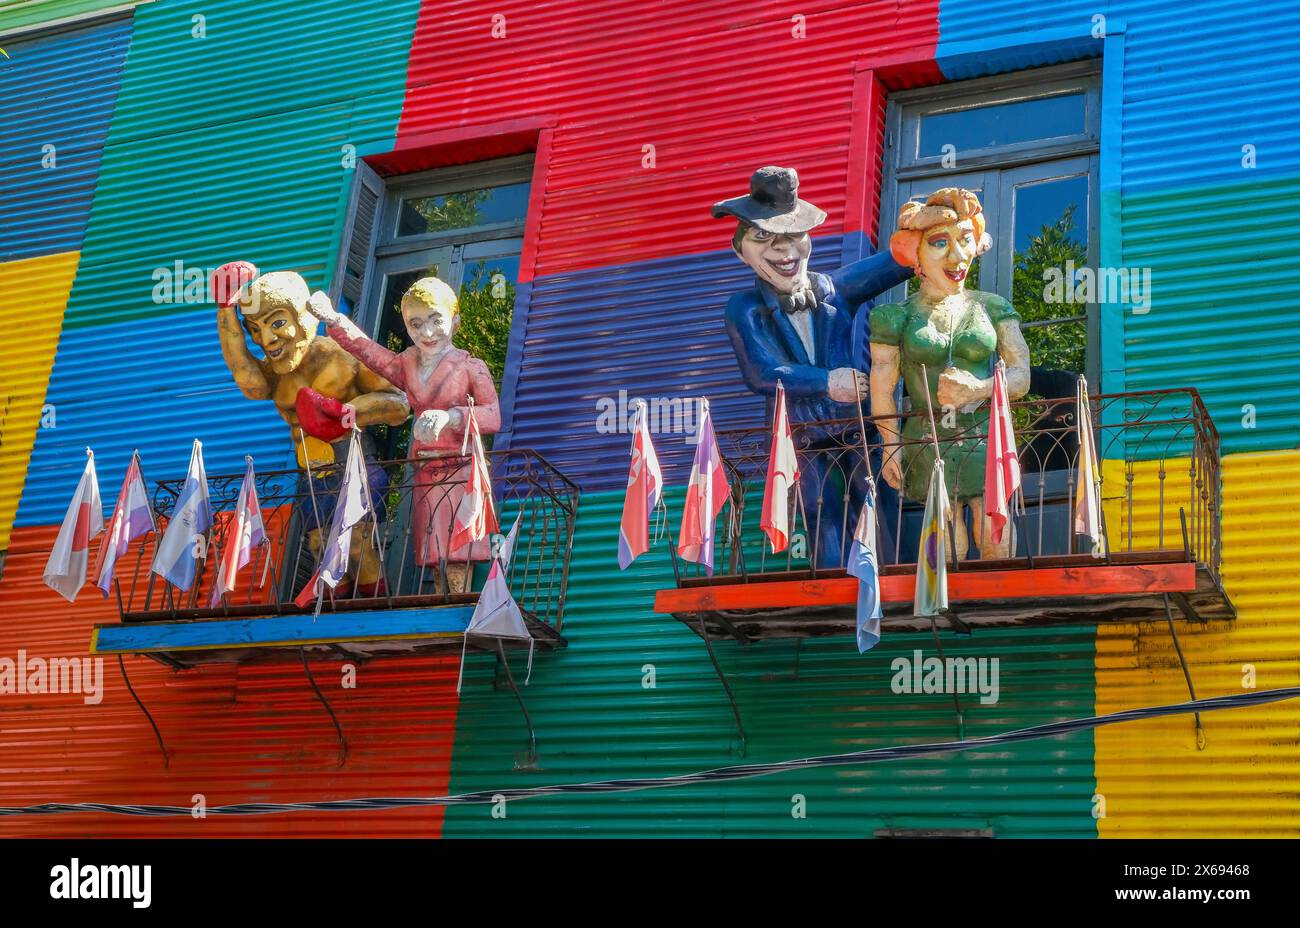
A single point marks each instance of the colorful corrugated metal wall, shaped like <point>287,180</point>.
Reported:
<point>208,160</point>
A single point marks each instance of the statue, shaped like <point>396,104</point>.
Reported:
<point>958,335</point>
<point>440,383</point>
<point>317,387</point>
<point>799,327</point>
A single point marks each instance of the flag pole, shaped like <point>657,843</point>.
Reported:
<point>374,522</point>
<point>311,489</point>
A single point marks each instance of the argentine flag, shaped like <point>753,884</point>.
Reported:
<point>185,540</point>
<point>864,565</point>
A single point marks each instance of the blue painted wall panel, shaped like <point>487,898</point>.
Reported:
<point>55,90</point>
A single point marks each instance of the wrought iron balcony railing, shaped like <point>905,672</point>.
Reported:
<point>387,568</point>
<point>1161,488</point>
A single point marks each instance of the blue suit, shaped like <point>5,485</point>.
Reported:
<point>768,349</point>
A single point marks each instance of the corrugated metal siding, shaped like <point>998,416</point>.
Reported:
<point>654,329</point>
<point>1245,782</point>
<point>247,734</point>
<point>37,14</point>
<point>56,90</point>
<point>594,719</point>
<point>1192,100</point>
<point>32,296</point>
<point>619,77</point>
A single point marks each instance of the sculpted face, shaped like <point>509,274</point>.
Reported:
<point>944,257</point>
<point>282,337</point>
<point>781,260</point>
<point>430,327</point>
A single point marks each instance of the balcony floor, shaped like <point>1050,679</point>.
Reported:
<point>1059,590</point>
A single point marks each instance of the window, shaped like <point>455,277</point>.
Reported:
<point>464,225</point>
<point>1027,145</point>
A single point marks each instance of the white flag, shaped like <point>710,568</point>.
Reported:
<point>65,571</point>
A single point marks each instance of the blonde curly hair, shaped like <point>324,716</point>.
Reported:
<point>944,206</point>
<point>428,292</point>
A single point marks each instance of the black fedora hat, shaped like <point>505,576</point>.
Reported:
<point>773,204</point>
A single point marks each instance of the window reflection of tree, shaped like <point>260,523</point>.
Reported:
<point>445,213</point>
<point>1059,345</point>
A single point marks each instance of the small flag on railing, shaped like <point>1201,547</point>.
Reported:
<point>65,571</point>
<point>132,518</point>
<point>931,597</point>
<point>705,495</point>
<point>497,615</point>
<point>353,505</point>
<point>476,516</point>
<point>184,543</point>
<point>244,532</point>
<point>1087,503</point>
<point>865,565</point>
<point>1002,465</point>
<point>645,483</point>
<point>782,475</point>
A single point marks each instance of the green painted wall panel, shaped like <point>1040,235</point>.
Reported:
<point>594,719</point>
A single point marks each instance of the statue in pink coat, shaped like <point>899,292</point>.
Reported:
<point>439,381</point>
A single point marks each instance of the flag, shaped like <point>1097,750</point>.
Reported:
<point>1002,466</point>
<point>132,517</point>
<point>645,483</point>
<point>931,597</point>
<point>782,474</point>
<point>352,506</point>
<point>864,565</point>
<point>476,516</point>
<point>244,532</point>
<point>1087,503</point>
<point>705,494</point>
<point>496,614</point>
<point>184,542</point>
<point>65,571</point>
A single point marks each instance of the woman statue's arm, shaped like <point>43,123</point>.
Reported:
<point>885,361</point>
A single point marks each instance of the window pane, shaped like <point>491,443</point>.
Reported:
<point>1050,236</point>
<point>1002,124</point>
<point>463,210</point>
<point>487,298</point>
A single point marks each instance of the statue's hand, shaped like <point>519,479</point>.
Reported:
<point>323,416</point>
<point>430,423</point>
<point>846,385</point>
<point>319,305</point>
<point>227,280</point>
<point>891,470</point>
<point>958,388</point>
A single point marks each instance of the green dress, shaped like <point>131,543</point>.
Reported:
<point>973,347</point>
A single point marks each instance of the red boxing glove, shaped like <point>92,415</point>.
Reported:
<point>226,280</point>
<point>322,416</point>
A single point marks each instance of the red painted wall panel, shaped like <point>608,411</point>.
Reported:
<point>717,89</point>
<point>235,734</point>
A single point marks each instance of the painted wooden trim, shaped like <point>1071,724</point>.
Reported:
<point>281,631</point>
<point>1036,583</point>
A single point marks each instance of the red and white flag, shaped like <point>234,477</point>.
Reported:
<point>705,495</point>
<point>244,532</point>
<point>1002,466</point>
<point>782,475</point>
<point>353,505</point>
<point>65,571</point>
<point>132,518</point>
<point>645,483</point>
<point>476,516</point>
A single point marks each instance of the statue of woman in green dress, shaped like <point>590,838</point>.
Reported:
<point>957,336</point>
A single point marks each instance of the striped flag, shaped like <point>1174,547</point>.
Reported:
<point>184,543</point>
<point>244,532</point>
<point>782,475</point>
<point>865,565</point>
<point>1002,466</point>
<point>476,515</point>
<point>352,506</point>
<point>65,571</point>
<point>1087,503</point>
<point>705,495</point>
<point>645,484</point>
<point>931,597</point>
<point>132,518</point>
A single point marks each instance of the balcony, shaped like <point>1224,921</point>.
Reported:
<point>1161,494</point>
<point>400,606</point>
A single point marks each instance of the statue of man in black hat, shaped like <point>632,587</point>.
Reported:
<point>797,326</point>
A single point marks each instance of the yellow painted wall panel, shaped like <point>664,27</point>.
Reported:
<point>1246,781</point>
<point>33,295</point>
